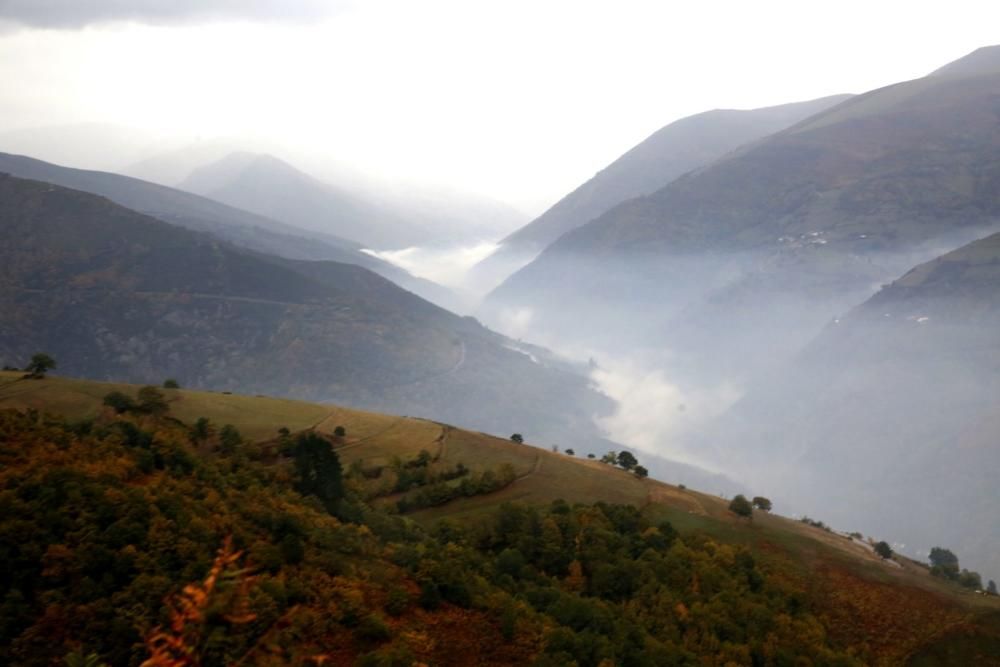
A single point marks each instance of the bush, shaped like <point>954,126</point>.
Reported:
<point>398,601</point>
<point>152,401</point>
<point>340,431</point>
<point>944,563</point>
<point>627,460</point>
<point>740,506</point>
<point>229,439</point>
<point>883,550</point>
<point>970,579</point>
<point>762,503</point>
<point>171,383</point>
<point>373,629</point>
<point>39,365</point>
<point>430,595</point>
<point>119,402</point>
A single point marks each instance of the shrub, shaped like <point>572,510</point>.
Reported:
<point>119,402</point>
<point>398,601</point>
<point>152,401</point>
<point>740,506</point>
<point>39,365</point>
<point>373,629</point>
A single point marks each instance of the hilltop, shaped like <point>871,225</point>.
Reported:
<point>843,600</point>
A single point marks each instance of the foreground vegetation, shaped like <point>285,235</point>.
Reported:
<point>307,545</point>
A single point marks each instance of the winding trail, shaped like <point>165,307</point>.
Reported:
<point>367,438</point>
<point>442,441</point>
<point>535,468</point>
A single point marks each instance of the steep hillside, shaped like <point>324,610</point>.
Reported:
<point>984,60</point>
<point>895,409</point>
<point>652,574</point>
<point>112,293</point>
<point>673,150</point>
<point>384,220</point>
<point>770,243</point>
<point>241,227</point>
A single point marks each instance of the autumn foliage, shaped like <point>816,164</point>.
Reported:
<point>143,541</point>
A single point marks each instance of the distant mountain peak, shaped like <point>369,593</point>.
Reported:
<point>984,60</point>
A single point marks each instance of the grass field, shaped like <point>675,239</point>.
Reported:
<point>908,614</point>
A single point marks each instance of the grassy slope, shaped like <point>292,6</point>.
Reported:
<point>895,609</point>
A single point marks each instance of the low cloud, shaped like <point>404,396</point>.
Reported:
<point>74,14</point>
<point>446,266</point>
<point>653,413</point>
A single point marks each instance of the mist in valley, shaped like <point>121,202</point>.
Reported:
<point>796,380</point>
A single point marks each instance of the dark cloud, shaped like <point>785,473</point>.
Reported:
<point>70,14</point>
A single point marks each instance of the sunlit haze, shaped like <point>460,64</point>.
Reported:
<point>518,100</point>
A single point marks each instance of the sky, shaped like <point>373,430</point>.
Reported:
<point>517,100</point>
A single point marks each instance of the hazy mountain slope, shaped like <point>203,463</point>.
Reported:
<point>670,152</point>
<point>761,248</point>
<point>173,166</point>
<point>268,186</point>
<point>115,294</point>
<point>981,61</point>
<point>241,227</point>
<point>895,409</point>
<point>379,219</point>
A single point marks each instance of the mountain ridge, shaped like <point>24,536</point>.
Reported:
<point>241,227</point>
<point>681,146</point>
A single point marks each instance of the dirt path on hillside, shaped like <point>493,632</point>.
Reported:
<point>442,442</point>
<point>367,438</point>
<point>666,495</point>
<point>25,388</point>
<point>535,468</point>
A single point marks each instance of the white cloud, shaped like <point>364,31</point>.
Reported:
<point>652,412</point>
<point>521,100</point>
<point>73,14</point>
<point>445,266</point>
